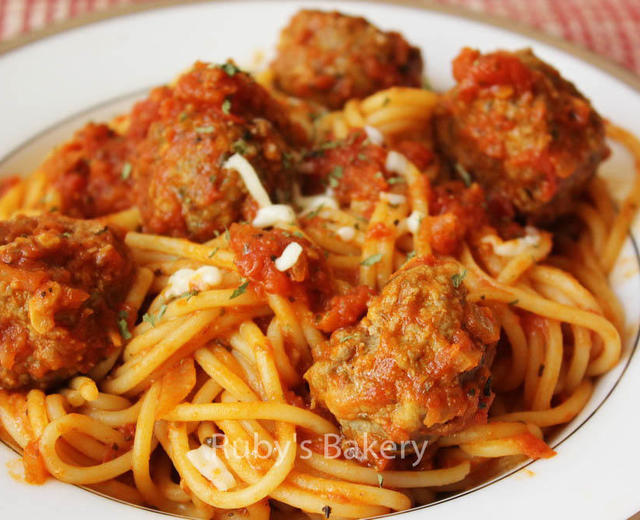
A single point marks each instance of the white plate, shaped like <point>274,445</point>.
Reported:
<point>52,85</point>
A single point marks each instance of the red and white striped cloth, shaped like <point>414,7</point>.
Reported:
<point>607,27</point>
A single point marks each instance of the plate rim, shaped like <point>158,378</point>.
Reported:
<point>603,64</point>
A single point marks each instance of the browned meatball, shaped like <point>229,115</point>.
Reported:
<point>89,175</point>
<point>62,286</point>
<point>329,57</point>
<point>522,131</point>
<point>416,365</point>
<point>211,113</point>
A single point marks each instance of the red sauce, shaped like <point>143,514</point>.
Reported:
<point>353,168</point>
<point>455,211</point>
<point>35,471</point>
<point>417,153</point>
<point>345,309</point>
<point>475,72</point>
<point>256,251</point>
<point>533,447</point>
<point>379,231</point>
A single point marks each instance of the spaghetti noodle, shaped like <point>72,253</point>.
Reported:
<point>220,367</point>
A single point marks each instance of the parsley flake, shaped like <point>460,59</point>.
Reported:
<point>123,325</point>
<point>380,479</point>
<point>230,69</point>
<point>213,253</point>
<point>155,318</point>
<point>239,290</point>
<point>372,260</point>
<point>126,171</point>
<point>314,213</point>
<point>396,180</point>
<point>457,278</point>
<point>240,146</point>
<point>226,106</point>
<point>204,129</point>
<point>464,174</point>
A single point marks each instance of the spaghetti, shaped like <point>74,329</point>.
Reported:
<point>219,367</point>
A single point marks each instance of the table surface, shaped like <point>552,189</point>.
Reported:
<point>607,27</point>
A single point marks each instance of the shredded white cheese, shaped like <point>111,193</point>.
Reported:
<point>205,459</point>
<point>396,163</point>
<point>514,247</point>
<point>346,233</point>
<point>275,214</point>
<point>289,257</point>
<point>309,204</point>
<point>393,198</point>
<point>185,280</point>
<point>251,180</point>
<point>374,135</point>
<point>413,221</point>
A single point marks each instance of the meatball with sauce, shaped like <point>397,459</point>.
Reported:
<point>90,175</point>
<point>62,288</point>
<point>329,58</point>
<point>527,135</point>
<point>355,170</point>
<point>211,113</point>
<point>416,366</point>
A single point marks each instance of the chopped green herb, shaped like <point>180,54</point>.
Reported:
<point>314,213</point>
<point>213,252</point>
<point>227,235</point>
<point>396,180</point>
<point>514,302</point>
<point>362,157</point>
<point>66,234</point>
<point>123,325</point>
<point>226,106</point>
<point>346,338</point>
<point>126,171</point>
<point>155,318</point>
<point>457,278</point>
<point>386,101</point>
<point>286,160</point>
<point>240,146</point>
<point>230,68</point>
<point>380,480</point>
<point>204,129</point>
<point>464,174</point>
<point>239,290</point>
<point>335,174</point>
<point>298,234</point>
<point>426,84</point>
<point>189,294</point>
<point>378,175</point>
<point>328,145</point>
<point>183,116</point>
<point>372,260</point>
<point>410,255</point>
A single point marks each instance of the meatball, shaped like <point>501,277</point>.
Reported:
<point>211,113</point>
<point>416,366</point>
<point>527,135</point>
<point>89,175</point>
<point>62,287</point>
<point>355,169</point>
<point>329,57</point>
